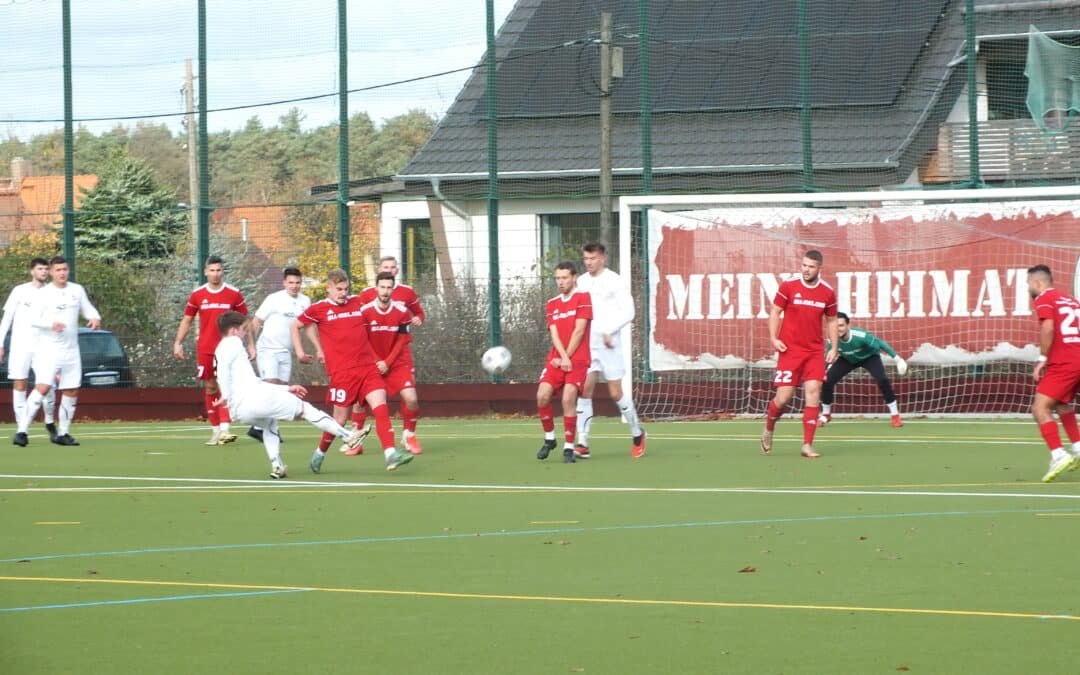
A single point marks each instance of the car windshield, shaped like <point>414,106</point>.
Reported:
<point>104,344</point>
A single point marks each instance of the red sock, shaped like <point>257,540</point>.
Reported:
<point>223,413</point>
<point>547,417</point>
<point>1068,420</point>
<point>384,428</point>
<point>325,441</point>
<point>408,418</point>
<point>809,424</point>
<point>569,428</point>
<point>1049,431</point>
<point>212,415</point>
<point>359,417</point>
<point>771,415</point>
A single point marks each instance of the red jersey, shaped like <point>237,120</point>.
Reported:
<point>401,293</point>
<point>384,327</point>
<point>342,332</point>
<point>563,313</point>
<point>803,307</point>
<point>209,305</point>
<point>1065,311</point>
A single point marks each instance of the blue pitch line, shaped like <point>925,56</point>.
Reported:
<point>141,600</point>
<point>518,533</point>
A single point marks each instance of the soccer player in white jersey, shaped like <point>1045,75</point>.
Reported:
<point>260,402</point>
<point>272,322</point>
<point>55,315</point>
<point>17,319</point>
<point>613,310</point>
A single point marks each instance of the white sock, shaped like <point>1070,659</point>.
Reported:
<point>18,404</point>
<point>387,452</point>
<point>584,420</point>
<point>1057,454</point>
<point>33,403</point>
<point>48,404</point>
<point>549,435</point>
<point>826,408</point>
<point>272,442</point>
<point>323,421</point>
<point>67,413</point>
<point>894,408</point>
<point>1076,448</point>
<point>626,407</point>
<point>225,427</point>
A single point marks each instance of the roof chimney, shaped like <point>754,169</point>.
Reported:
<point>20,168</point>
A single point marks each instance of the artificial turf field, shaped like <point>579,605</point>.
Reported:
<point>929,549</point>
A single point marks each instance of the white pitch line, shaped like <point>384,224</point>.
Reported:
<point>250,483</point>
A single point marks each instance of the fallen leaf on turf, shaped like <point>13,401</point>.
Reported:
<point>579,669</point>
<point>91,571</point>
<point>863,538</point>
<point>903,668</point>
<point>549,542</point>
<point>564,543</point>
<point>747,569</point>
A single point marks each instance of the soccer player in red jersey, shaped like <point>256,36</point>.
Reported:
<point>350,363</point>
<point>1058,369</point>
<point>388,330</point>
<point>797,336</point>
<point>568,317</point>
<point>208,302</point>
<point>402,293</point>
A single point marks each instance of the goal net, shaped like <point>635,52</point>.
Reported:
<point>940,275</point>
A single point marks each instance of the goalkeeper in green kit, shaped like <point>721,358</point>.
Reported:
<point>860,349</point>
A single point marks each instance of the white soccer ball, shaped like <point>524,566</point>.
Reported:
<point>496,360</point>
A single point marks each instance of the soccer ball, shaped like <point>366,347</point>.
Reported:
<point>496,360</point>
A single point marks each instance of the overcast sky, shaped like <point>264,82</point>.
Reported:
<point>128,58</point>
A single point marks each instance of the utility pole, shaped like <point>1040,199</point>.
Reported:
<point>605,128</point>
<point>192,153</point>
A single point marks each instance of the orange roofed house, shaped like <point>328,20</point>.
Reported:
<point>31,204</point>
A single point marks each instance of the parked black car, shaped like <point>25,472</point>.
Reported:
<point>104,361</point>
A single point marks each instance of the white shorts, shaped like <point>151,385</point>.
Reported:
<point>274,365</point>
<point>19,361</point>
<point>608,362</point>
<point>264,402</point>
<point>63,371</point>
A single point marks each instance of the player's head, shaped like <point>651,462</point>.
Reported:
<point>384,287</point>
<point>811,265</point>
<point>594,257</point>
<point>39,270</point>
<point>388,263</point>
<point>59,270</point>
<point>292,279</point>
<point>337,286</point>
<point>214,270</point>
<point>842,324</point>
<point>232,323</point>
<point>565,276</point>
<point>1039,279</point>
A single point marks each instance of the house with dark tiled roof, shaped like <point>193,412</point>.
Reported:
<point>887,107</point>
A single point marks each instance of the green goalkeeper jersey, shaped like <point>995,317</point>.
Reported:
<point>861,345</point>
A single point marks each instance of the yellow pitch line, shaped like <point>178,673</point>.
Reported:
<point>563,599</point>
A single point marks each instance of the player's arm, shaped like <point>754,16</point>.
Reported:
<point>401,340</point>
<point>624,309</point>
<point>5,322</point>
<point>832,334</point>
<point>224,356</point>
<point>1046,340</point>
<point>89,312</point>
<point>297,342</point>
<point>417,312</point>
<point>774,328</point>
<point>557,343</point>
<point>581,327</point>
<point>181,333</point>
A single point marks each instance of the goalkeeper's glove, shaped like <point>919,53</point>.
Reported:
<point>901,366</point>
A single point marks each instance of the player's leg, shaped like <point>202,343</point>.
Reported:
<point>48,413</point>
<point>1042,410</point>
<point>272,444</point>
<point>1067,415</point>
<point>811,409</point>
<point>837,371</point>
<point>384,428</point>
<point>625,403</point>
<point>19,372</point>
<point>585,410</point>
<point>569,403</point>
<point>18,401</point>
<point>544,392</point>
<point>205,373</point>
<point>224,417</point>
<point>876,368</point>
<point>410,413</point>
<point>784,380</point>
<point>45,371</point>
<point>359,415</point>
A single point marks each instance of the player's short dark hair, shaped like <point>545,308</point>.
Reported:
<point>594,247</point>
<point>1041,269</point>
<point>383,276</point>
<point>214,260</point>
<point>841,315</point>
<point>38,261</point>
<point>229,320</point>
<point>387,257</point>
<point>292,272</point>
<point>815,256</point>
<point>58,260</point>
<point>567,265</point>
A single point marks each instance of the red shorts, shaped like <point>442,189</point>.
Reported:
<point>794,368</point>
<point>557,377</point>
<point>1060,382</point>
<point>353,386</point>
<point>402,375</point>
<point>205,368</point>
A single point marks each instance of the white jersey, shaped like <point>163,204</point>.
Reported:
<point>278,312</point>
<point>612,304</point>
<point>52,305</point>
<point>18,317</point>
<point>236,378</point>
